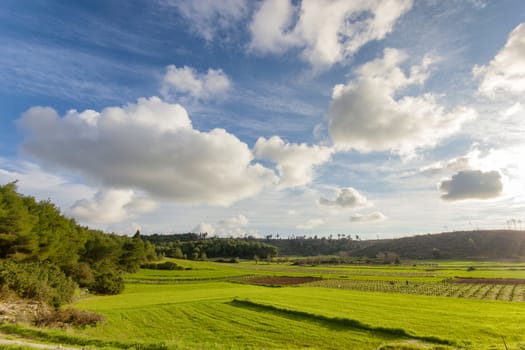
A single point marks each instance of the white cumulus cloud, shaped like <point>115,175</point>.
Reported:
<point>472,184</point>
<point>371,217</point>
<point>149,145</point>
<point>110,206</point>
<point>186,81</point>
<point>347,198</point>
<point>505,74</point>
<point>326,32</point>
<point>295,162</point>
<point>367,114</point>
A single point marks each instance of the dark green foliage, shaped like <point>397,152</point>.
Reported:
<point>312,246</point>
<point>38,281</point>
<point>59,239</point>
<point>81,273</point>
<point>101,248</point>
<point>168,265</point>
<point>135,252</point>
<point>108,283</point>
<point>201,248</point>
<point>39,247</point>
<point>160,239</point>
<point>17,240</point>
<point>485,244</point>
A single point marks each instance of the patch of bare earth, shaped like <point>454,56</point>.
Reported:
<point>21,311</point>
<point>281,281</point>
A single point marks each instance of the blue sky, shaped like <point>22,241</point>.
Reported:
<point>379,118</point>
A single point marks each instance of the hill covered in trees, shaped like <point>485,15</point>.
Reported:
<point>484,244</point>
<point>45,256</point>
<point>481,244</point>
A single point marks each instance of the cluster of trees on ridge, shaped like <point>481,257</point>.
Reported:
<point>197,246</point>
<point>479,244</point>
<point>45,256</point>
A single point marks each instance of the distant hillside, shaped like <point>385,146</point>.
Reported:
<point>498,244</point>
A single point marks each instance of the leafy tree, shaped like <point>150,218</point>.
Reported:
<point>59,238</point>
<point>108,282</point>
<point>42,252</point>
<point>17,240</point>
<point>133,254</point>
<point>39,281</point>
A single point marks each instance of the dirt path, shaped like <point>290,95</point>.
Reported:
<point>21,342</point>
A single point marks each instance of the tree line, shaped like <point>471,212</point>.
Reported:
<point>199,247</point>
<point>42,250</point>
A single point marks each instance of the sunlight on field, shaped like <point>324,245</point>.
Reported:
<point>217,306</point>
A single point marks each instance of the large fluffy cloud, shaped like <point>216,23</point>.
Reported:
<point>186,81</point>
<point>347,198</point>
<point>295,162</point>
<point>150,145</point>
<point>505,74</point>
<point>110,206</point>
<point>326,32</point>
<point>472,184</point>
<point>367,115</point>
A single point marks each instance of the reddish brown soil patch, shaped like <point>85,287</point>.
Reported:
<point>490,280</point>
<point>281,281</point>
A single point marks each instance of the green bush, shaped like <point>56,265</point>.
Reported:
<point>80,273</point>
<point>107,283</point>
<point>168,265</point>
<point>37,281</point>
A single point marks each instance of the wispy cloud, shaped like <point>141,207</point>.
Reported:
<point>67,73</point>
<point>206,18</point>
<point>505,74</point>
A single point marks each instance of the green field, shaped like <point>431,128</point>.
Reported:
<point>214,306</point>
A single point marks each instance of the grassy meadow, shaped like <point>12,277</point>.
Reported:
<point>216,306</point>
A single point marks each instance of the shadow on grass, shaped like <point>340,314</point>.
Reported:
<point>36,334</point>
<point>335,322</point>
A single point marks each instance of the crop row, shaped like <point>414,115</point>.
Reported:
<point>504,292</point>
